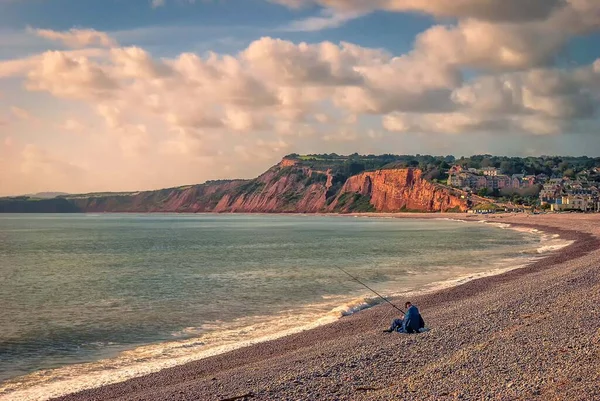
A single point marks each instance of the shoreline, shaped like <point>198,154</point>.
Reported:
<point>212,378</point>
<point>348,307</point>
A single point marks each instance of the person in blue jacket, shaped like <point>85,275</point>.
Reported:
<point>411,323</point>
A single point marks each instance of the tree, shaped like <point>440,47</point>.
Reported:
<point>486,162</point>
<point>483,192</point>
<point>507,167</point>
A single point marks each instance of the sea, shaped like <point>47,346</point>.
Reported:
<point>92,299</point>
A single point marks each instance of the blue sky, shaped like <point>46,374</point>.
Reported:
<point>227,25</point>
<point>124,95</point>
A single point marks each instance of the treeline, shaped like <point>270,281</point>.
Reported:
<point>550,165</point>
<point>436,166</point>
<point>347,166</point>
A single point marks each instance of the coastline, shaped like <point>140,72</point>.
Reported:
<point>330,362</point>
<point>153,357</point>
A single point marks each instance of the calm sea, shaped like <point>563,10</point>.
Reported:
<point>91,299</point>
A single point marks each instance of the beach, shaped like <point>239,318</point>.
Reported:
<point>530,333</point>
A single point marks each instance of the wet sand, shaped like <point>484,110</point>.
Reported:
<point>531,333</point>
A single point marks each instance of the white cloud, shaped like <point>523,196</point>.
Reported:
<point>70,77</point>
<point>328,18</point>
<point>277,83</point>
<point>77,38</point>
<point>303,64</point>
<point>22,66</point>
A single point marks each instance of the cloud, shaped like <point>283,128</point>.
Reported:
<point>488,35</point>
<point>40,166</point>
<point>280,84</point>
<point>343,134</point>
<point>134,140</point>
<point>23,66</point>
<point>491,46</point>
<point>302,64</point>
<point>492,10</point>
<point>161,3</point>
<point>328,18</point>
<point>70,77</point>
<point>538,101</point>
<point>20,114</point>
<point>443,123</point>
<point>554,93</point>
<point>77,38</point>
<point>72,125</point>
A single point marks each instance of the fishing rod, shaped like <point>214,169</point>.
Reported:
<point>372,290</point>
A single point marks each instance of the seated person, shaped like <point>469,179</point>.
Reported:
<point>411,323</point>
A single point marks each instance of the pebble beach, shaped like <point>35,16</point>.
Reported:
<point>530,333</point>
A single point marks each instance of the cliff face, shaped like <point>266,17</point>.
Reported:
<point>396,190</point>
<point>283,188</point>
<point>287,187</point>
<point>192,199</point>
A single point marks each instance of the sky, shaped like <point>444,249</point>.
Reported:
<point>127,95</point>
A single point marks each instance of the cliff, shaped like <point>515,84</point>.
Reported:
<point>288,187</point>
<point>192,199</point>
<point>397,190</point>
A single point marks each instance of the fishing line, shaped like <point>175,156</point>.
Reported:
<point>370,289</point>
<point>386,317</point>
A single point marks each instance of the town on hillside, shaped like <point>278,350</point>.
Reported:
<point>533,183</point>
<point>557,193</point>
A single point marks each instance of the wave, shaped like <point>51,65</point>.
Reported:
<point>212,338</point>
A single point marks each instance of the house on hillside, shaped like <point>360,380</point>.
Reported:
<point>516,180</point>
<point>582,203</point>
<point>529,181</point>
<point>490,171</point>
<point>498,182</point>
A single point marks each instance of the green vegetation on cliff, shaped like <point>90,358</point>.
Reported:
<point>354,203</point>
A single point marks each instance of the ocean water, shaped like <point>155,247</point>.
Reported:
<point>89,299</point>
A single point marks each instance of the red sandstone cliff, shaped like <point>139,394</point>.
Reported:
<point>289,187</point>
<point>399,189</point>
<point>283,188</point>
